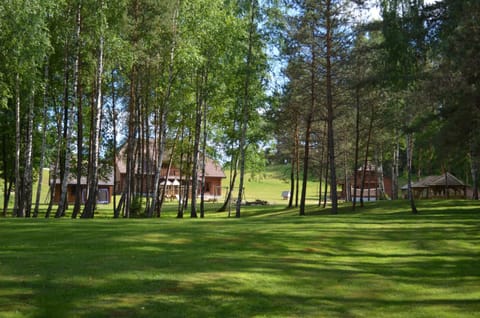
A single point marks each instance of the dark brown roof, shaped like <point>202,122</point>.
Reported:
<point>437,181</point>
<point>106,181</point>
<point>212,168</point>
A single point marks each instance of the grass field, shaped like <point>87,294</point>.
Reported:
<point>378,262</point>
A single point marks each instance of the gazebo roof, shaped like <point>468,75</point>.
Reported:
<point>446,179</point>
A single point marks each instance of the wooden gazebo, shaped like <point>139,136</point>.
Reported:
<point>442,186</point>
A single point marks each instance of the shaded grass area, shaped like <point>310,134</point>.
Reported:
<point>380,261</point>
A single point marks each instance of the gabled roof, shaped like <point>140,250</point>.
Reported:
<point>212,168</point>
<point>103,181</point>
<point>446,179</point>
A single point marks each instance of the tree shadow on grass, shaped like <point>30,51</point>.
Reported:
<point>272,267</point>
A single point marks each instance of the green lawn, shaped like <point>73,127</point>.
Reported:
<point>380,262</point>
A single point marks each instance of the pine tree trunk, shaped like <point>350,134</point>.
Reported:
<point>330,114</point>
<point>409,172</point>
<point>357,146</point>
<point>292,176</point>
<point>474,172</point>
<point>308,128</point>
<point>367,150</point>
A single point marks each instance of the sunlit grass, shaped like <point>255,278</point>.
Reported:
<point>380,261</point>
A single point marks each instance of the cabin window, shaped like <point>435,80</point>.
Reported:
<point>103,196</point>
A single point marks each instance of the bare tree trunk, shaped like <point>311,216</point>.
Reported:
<point>5,167</point>
<point>395,167</point>
<point>233,176</point>
<point>53,175</point>
<point>77,97</point>
<point>323,159</point>
<point>28,172</point>
<point>357,146</point>
<point>114,146</point>
<point>202,197</point>
<point>64,132</point>
<point>292,169</point>
<point>330,114</point>
<point>409,169</point>
<point>308,128</point>
<point>326,181</point>
<point>17,211</point>
<point>474,172</point>
<point>170,163</point>
<point>69,119</point>
<point>163,116</point>
<point>90,206</point>
<point>367,150</point>
<point>44,139</point>
<point>131,145</point>
<point>295,169</point>
<point>245,108</point>
<point>196,148</point>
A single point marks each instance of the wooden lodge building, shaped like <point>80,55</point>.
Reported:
<point>174,180</point>
<point>105,189</point>
<point>375,187</point>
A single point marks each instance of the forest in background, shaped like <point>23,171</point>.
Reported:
<point>80,78</point>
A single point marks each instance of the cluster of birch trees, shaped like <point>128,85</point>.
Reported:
<point>80,78</point>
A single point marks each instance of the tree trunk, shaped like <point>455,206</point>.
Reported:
<point>17,211</point>
<point>367,150</point>
<point>308,128</point>
<point>196,148</point>
<point>323,160</point>
<point>292,175</point>
<point>90,206</point>
<point>114,146</point>
<point>53,175</point>
<point>306,159</point>
<point>156,204</point>
<point>202,197</point>
<point>131,146</point>
<point>409,170</point>
<point>326,181</point>
<point>28,172</point>
<point>474,172</point>
<point>69,117</point>
<point>233,176</point>
<point>44,139</point>
<point>6,190</point>
<point>395,168</point>
<point>330,114</point>
<point>357,146</point>
<point>245,108</point>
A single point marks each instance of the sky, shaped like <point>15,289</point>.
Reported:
<point>374,11</point>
